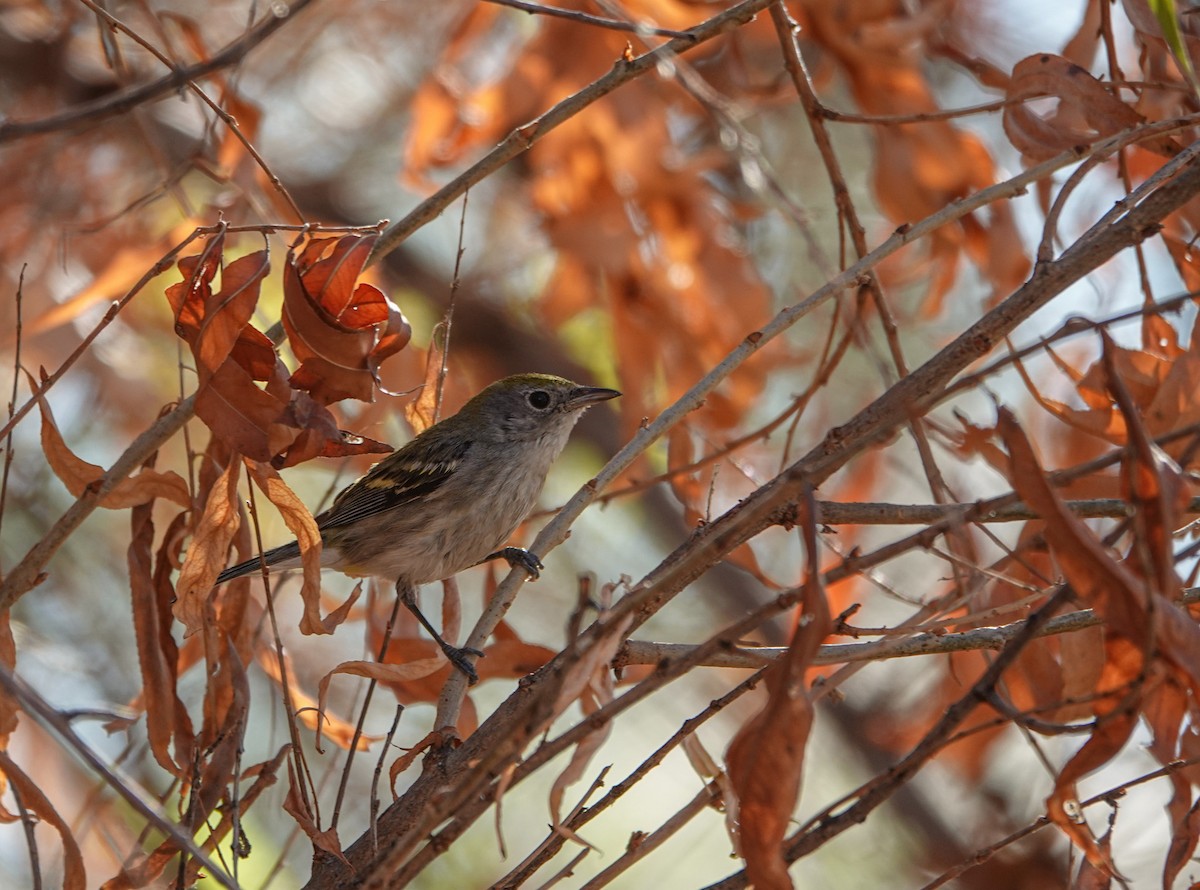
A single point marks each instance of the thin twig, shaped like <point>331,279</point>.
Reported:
<point>996,638</point>
<point>555,842</point>
<point>586,19</point>
<point>12,402</point>
<point>834,513</point>
<point>643,846</point>
<point>384,751</point>
<point>28,824</point>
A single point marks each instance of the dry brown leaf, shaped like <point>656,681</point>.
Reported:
<point>506,657</point>
<point>206,556</point>
<point>1105,742</point>
<point>157,652</point>
<point>340,330</point>
<point>295,805</point>
<point>74,873</point>
<point>422,412</point>
<point>1187,264</point>
<point>9,709</point>
<point>432,739</point>
<point>271,423</point>
<point>1085,112</point>
<point>765,760</point>
<point>1165,712</point>
<point>78,475</point>
<point>1117,596</point>
<point>579,674</point>
<point>304,529</point>
<point>1184,835</point>
<point>213,325</point>
<point>319,435</point>
<point>209,789</point>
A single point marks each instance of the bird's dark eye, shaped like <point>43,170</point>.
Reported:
<point>539,399</point>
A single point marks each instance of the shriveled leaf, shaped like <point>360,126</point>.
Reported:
<point>272,423</point>
<point>340,331</point>
<point>580,673</point>
<point>1165,712</point>
<point>157,652</point>
<point>9,709</point>
<point>1156,488</point>
<point>701,761</point>
<point>209,789</point>
<point>74,873</point>
<point>319,435</point>
<point>297,807</point>
<point>78,475</point>
<point>1184,836</point>
<point>1154,485</point>
<point>405,760</point>
<point>1116,595</point>
<point>1062,806</point>
<point>766,758</point>
<point>206,556</point>
<point>1099,580</point>
<point>422,412</point>
<point>213,324</point>
<point>245,416</point>
<point>1187,264</point>
<point>303,527</point>
<point>506,657</point>
<point>1090,877</point>
<point>1086,111</point>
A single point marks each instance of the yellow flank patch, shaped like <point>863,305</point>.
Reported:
<point>397,477</point>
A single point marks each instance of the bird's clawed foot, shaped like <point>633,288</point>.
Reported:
<point>457,656</point>
<point>518,556</point>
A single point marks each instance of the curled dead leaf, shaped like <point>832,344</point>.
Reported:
<point>78,475</point>
<point>765,760</point>
<point>340,330</point>
<point>1086,110</point>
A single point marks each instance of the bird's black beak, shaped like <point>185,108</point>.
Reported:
<point>585,396</point>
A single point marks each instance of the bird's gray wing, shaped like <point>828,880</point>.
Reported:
<point>400,478</point>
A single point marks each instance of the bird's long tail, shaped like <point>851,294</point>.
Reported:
<point>288,553</point>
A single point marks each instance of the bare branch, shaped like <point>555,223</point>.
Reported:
<point>995,638</point>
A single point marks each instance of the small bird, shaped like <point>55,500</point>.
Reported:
<point>451,497</point>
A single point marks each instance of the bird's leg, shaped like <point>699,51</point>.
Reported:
<point>517,556</point>
<point>455,655</point>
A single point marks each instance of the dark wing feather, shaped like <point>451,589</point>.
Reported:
<point>398,479</point>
